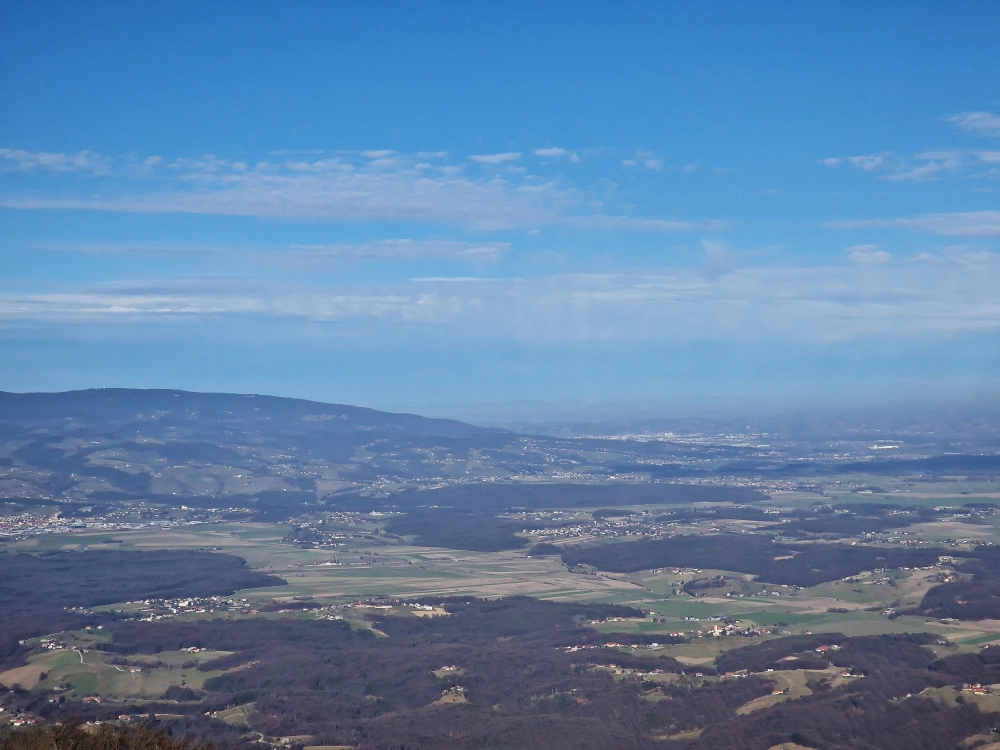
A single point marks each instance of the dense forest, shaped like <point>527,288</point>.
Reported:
<point>344,686</point>
<point>974,599</point>
<point>480,529</point>
<point>73,736</point>
<point>517,685</point>
<point>37,590</point>
<point>773,562</point>
<point>865,713</point>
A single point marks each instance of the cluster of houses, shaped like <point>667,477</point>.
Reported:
<point>717,631</point>
<point>634,672</point>
<point>907,538</point>
<point>24,525</point>
<point>328,532</point>
<point>164,609</point>
<point>723,627</point>
<point>122,719</point>
<point>602,528</point>
<point>767,592</point>
<point>52,644</point>
<point>731,629</point>
<point>977,689</point>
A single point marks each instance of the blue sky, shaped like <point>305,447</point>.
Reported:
<point>505,210</point>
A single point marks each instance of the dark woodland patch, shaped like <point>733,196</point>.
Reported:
<point>804,564</point>
<point>36,590</point>
<point>72,736</point>
<point>521,689</point>
<point>481,532</point>
<point>975,599</point>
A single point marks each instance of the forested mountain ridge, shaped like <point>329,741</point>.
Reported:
<point>181,447</point>
<point>163,411</point>
<point>277,455</point>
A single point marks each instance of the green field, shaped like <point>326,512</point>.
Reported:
<point>81,673</point>
<point>373,566</point>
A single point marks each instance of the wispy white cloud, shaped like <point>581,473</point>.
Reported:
<point>455,280</point>
<point>297,152</point>
<point>719,258</point>
<point>554,151</point>
<point>924,172</point>
<point>138,248</point>
<point>977,123</point>
<point>494,158</point>
<point>961,224</point>
<point>923,166</point>
<point>868,255</point>
<point>869,298</point>
<point>312,254</point>
<point>645,159</point>
<point>633,223</point>
<point>348,187</point>
<point>403,250</point>
<point>30,161</point>
<point>867,163</point>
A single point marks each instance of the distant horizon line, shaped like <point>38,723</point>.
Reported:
<point>625,421</point>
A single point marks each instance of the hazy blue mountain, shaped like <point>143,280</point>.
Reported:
<point>125,409</point>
